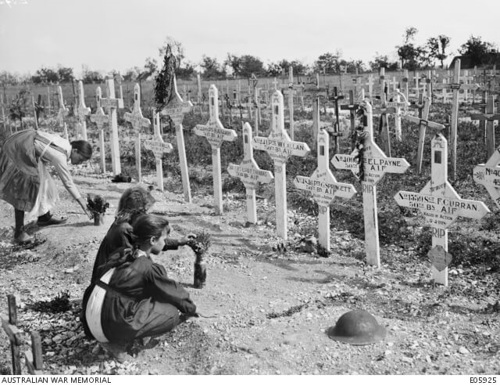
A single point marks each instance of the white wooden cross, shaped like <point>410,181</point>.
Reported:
<point>423,123</point>
<point>369,83</point>
<point>138,121</point>
<point>249,173</point>
<point>100,118</point>
<point>404,82</point>
<point>280,147</point>
<point>397,105</point>
<point>324,188</point>
<point>290,92</point>
<point>112,104</point>
<point>489,176</point>
<point>63,111</point>
<point>455,86</point>
<point>176,109</point>
<point>82,111</point>
<point>159,147</point>
<point>215,133</point>
<point>440,205</point>
<point>489,116</point>
<point>374,166</point>
<point>417,85</point>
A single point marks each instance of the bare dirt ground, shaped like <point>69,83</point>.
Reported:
<point>272,307</point>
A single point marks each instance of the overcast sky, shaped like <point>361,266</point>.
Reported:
<point>120,34</point>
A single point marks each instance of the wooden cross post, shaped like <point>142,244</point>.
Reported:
<point>440,205</point>
<point>404,82</point>
<point>324,188</point>
<point>316,92</point>
<point>100,118</point>
<point>63,111</point>
<point>423,122</point>
<point>456,86</point>
<point>138,121</point>
<point>112,104</point>
<point>489,117</point>
<point>336,125</point>
<point>370,166</point>
<point>352,107</point>
<point>280,147</point>
<point>417,78</point>
<point>215,133</point>
<point>249,173</point>
<point>176,109</point>
<point>369,83</point>
<point>397,105</point>
<point>82,111</point>
<point>159,147</point>
<point>489,176</point>
<point>384,110</point>
<point>290,92</point>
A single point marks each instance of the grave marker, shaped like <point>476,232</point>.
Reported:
<point>249,173</point>
<point>397,104</point>
<point>423,123</point>
<point>440,205</point>
<point>176,109</point>
<point>100,118</point>
<point>404,80</point>
<point>159,147</point>
<point>138,121</point>
<point>215,133</point>
<point>455,86</point>
<point>290,92</point>
<point>280,147</point>
<point>82,111</point>
<point>324,188</point>
<point>112,104</point>
<point>63,111</point>
<point>336,125</point>
<point>383,110</point>
<point>370,166</point>
<point>352,107</point>
<point>489,176</point>
<point>489,116</point>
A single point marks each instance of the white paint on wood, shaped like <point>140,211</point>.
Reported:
<point>100,119</point>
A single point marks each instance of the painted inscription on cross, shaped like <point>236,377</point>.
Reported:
<point>249,173</point>
<point>112,104</point>
<point>280,147</point>
<point>100,118</point>
<point>371,165</point>
<point>489,116</point>
<point>489,176</point>
<point>423,123</point>
<point>440,205</point>
<point>175,110</point>
<point>82,111</point>
<point>138,121</point>
<point>159,147</point>
<point>324,188</point>
<point>216,134</point>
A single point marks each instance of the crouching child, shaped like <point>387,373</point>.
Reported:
<point>134,298</point>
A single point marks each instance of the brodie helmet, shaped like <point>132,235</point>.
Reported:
<point>357,327</point>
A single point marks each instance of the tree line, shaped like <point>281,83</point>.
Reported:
<point>410,56</point>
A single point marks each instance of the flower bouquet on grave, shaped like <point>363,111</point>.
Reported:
<point>200,246</point>
<point>97,205</point>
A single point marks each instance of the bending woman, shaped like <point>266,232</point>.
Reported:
<point>25,182</point>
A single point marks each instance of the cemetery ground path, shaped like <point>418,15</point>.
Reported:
<point>271,308</point>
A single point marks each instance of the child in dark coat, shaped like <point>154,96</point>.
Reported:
<point>133,296</point>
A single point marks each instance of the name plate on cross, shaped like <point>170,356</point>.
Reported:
<point>489,176</point>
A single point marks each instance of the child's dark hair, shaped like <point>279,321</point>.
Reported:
<point>149,225</point>
<point>134,201</point>
<point>83,147</point>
